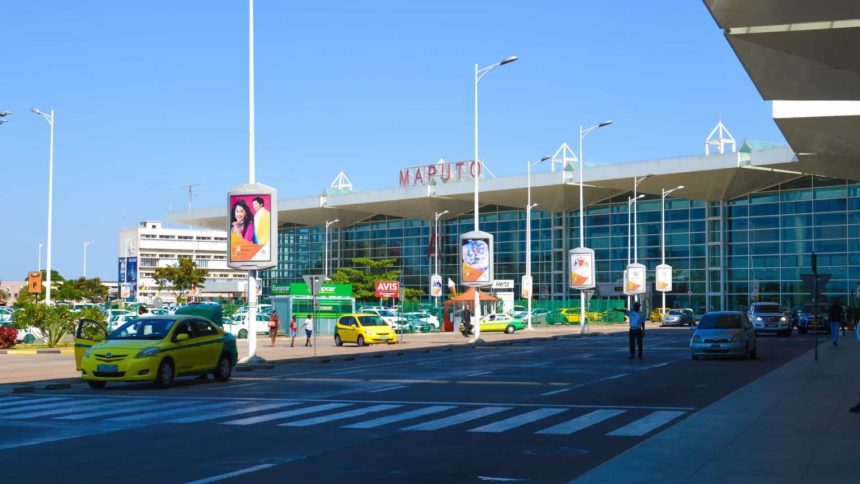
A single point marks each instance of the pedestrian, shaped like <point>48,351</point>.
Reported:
<point>274,324</point>
<point>637,328</point>
<point>309,329</point>
<point>835,315</point>
<point>466,320</point>
<point>294,329</point>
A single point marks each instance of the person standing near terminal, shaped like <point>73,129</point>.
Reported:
<point>309,329</point>
<point>835,314</point>
<point>294,329</point>
<point>274,324</point>
<point>637,329</point>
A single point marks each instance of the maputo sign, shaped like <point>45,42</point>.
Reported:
<point>444,172</point>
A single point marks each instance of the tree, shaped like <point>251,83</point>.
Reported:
<point>180,278</point>
<point>365,273</point>
<point>54,322</point>
<point>82,289</point>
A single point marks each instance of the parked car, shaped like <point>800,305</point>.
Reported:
<point>238,326</point>
<point>153,348</point>
<point>678,317</point>
<point>570,314</point>
<point>519,312</point>
<point>769,317</point>
<point>540,315</point>
<point>426,318</point>
<point>498,323</point>
<point>807,321</point>
<point>6,314</point>
<point>724,333</point>
<point>657,314</point>
<point>363,329</point>
<point>389,316</point>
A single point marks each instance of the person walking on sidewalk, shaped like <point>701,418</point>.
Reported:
<point>294,330</point>
<point>835,315</point>
<point>274,324</point>
<point>637,328</point>
<point>309,329</point>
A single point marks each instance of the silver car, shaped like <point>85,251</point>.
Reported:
<point>680,317</point>
<point>724,333</point>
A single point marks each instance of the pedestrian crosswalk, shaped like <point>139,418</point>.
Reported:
<point>550,420</point>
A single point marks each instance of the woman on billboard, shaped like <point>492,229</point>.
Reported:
<point>241,222</point>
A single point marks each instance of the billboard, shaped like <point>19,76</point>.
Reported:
<point>663,278</point>
<point>634,279</point>
<point>34,282</point>
<point>476,259</point>
<point>387,288</point>
<point>526,287</point>
<point>253,227</point>
<point>436,285</point>
<point>131,277</point>
<point>120,270</point>
<point>581,268</point>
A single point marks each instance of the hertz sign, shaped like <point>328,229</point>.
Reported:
<point>387,288</point>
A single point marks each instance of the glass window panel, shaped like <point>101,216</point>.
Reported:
<point>764,222</point>
<point>832,205</point>
<point>768,209</point>
<point>735,211</point>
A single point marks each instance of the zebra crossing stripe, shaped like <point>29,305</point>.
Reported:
<point>519,420</point>
<point>66,408</point>
<point>285,414</point>
<point>231,413</point>
<point>190,407</point>
<point>457,419</point>
<point>581,422</point>
<point>11,401</point>
<point>378,422</point>
<point>26,402</point>
<point>646,424</point>
<point>339,416</point>
<point>125,409</point>
<point>101,406</point>
<point>53,405</point>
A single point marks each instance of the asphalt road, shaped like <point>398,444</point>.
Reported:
<point>540,411</point>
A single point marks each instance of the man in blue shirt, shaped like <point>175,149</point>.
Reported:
<point>637,328</point>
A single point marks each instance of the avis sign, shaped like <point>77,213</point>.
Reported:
<point>387,288</point>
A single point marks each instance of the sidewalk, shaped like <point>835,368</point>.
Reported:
<point>791,425</point>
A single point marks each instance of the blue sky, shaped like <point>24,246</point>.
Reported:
<point>151,96</point>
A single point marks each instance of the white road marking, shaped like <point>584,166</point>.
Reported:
<point>155,417</point>
<point>378,422</point>
<point>339,416</point>
<point>499,479</point>
<point>71,408</point>
<point>457,419</point>
<point>125,409</point>
<point>11,401</point>
<point>479,373</point>
<point>380,390</point>
<point>613,377</point>
<point>646,424</point>
<point>659,365</point>
<point>228,475</point>
<point>556,392</point>
<point>36,405</point>
<point>581,422</point>
<point>285,414</point>
<point>231,413</point>
<point>519,420</point>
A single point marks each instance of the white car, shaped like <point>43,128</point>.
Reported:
<point>426,317</point>
<point>385,314</point>
<point>30,335</point>
<point>238,326</point>
<point>6,315</point>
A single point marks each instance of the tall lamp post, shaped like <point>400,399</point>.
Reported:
<point>86,244</point>
<point>436,216</point>
<point>327,225</point>
<point>476,172</point>
<point>636,181</point>
<point>529,207</point>
<point>40,256</point>
<point>665,193</point>
<point>630,201</point>
<point>50,119</point>
<point>582,134</point>
<point>3,114</point>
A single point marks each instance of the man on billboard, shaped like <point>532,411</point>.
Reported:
<point>250,228</point>
<point>262,221</point>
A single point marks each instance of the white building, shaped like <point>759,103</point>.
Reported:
<point>150,245</point>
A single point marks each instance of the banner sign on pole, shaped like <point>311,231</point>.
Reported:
<point>581,268</point>
<point>34,282</point>
<point>476,259</point>
<point>664,278</point>
<point>634,279</point>
<point>131,277</point>
<point>387,288</point>
<point>527,287</point>
<point>436,285</point>
<point>253,227</point>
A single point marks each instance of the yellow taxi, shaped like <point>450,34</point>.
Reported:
<point>155,349</point>
<point>657,314</point>
<point>363,329</point>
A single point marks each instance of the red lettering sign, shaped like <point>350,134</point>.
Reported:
<point>387,288</point>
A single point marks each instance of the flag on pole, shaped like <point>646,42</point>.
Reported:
<point>431,247</point>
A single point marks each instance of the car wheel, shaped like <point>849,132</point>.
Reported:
<point>360,340</point>
<point>337,340</point>
<point>165,374</point>
<point>243,333</point>
<point>224,368</point>
<point>510,329</point>
<point>97,384</point>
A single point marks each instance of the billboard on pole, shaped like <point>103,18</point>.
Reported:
<point>663,278</point>
<point>581,268</point>
<point>476,259</point>
<point>253,227</point>
<point>634,280</point>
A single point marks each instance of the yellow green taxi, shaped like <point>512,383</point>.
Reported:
<point>153,349</point>
<point>502,323</point>
<point>363,329</point>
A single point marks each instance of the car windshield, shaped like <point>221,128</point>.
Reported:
<point>143,329</point>
<point>675,312</point>
<point>720,321</point>
<point>371,321</point>
<point>767,308</point>
<point>386,312</point>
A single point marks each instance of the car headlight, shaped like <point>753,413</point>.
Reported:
<point>758,318</point>
<point>783,319</point>
<point>736,338</point>
<point>89,352</point>
<point>697,338</point>
<point>147,352</point>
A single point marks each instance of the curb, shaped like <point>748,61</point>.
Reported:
<point>49,351</point>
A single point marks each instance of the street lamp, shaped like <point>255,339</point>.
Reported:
<point>582,134</point>
<point>436,216</point>
<point>529,207</point>
<point>630,201</point>
<point>327,225</point>
<point>479,74</point>
<point>86,243</point>
<point>50,119</point>
<point>663,231</point>
<point>3,114</point>
<point>40,256</point>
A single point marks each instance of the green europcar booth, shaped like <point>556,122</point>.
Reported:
<point>335,300</point>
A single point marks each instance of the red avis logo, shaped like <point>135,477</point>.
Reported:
<point>387,288</point>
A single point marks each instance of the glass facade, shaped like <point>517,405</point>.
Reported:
<point>724,254</point>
